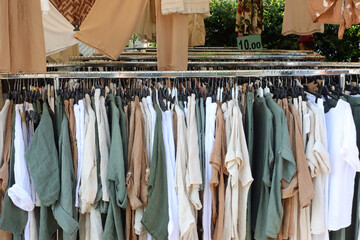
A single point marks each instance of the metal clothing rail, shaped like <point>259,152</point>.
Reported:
<point>225,57</point>
<point>210,64</point>
<point>187,74</point>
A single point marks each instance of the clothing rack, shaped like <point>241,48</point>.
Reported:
<point>225,57</point>
<point>188,74</point>
<point>210,64</point>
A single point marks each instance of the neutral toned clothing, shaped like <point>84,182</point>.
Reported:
<point>103,129</point>
<point>197,31</point>
<point>59,33</point>
<point>20,192</point>
<point>69,112</point>
<point>185,6</point>
<point>172,40</point>
<point>167,129</point>
<point>342,12</point>
<point>79,110</point>
<point>209,144</point>
<point>344,161</point>
<point>22,43</point>
<point>238,165</point>
<point>217,182</point>
<point>187,218</point>
<point>75,11</point>
<point>146,28</point>
<point>94,33</point>
<point>3,122</point>
<point>88,187</point>
<point>318,160</point>
<point>297,19</point>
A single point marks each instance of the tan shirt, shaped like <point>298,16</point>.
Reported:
<point>217,182</point>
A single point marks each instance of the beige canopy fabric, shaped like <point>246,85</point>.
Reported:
<point>22,43</point>
<point>110,24</point>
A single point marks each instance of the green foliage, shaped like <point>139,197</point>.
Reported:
<point>220,27</point>
<point>220,32</point>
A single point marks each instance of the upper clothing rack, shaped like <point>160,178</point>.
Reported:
<point>210,64</point>
<point>187,74</point>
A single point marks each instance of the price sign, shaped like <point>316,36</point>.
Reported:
<point>251,42</point>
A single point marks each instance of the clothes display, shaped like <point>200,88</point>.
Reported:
<point>197,31</point>
<point>152,167</point>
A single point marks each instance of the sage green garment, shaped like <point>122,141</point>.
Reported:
<point>156,215</point>
<point>114,229</point>
<point>64,209</point>
<point>352,231</point>
<point>12,219</point>
<point>59,110</point>
<point>199,131</point>
<point>262,170</point>
<point>284,167</point>
<point>43,163</point>
<point>249,134</point>
<point>123,129</point>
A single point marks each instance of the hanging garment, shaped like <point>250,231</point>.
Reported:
<point>172,40</point>
<point>5,158</point>
<point>70,115</point>
<point>3,123</point>
<point>249,134</point>
<point>284,167</point>
<point>187,218</point>
<point>97,30</point>
<point>217,182</point>
<point>104,140</point>
<point>157,187</point>
<point>79,111</point>
<point>12,219</point>
<point>167,129</point>
<point>209,144</point>
<point>116,180</point>
<point>249,17</point>
<point>197,31</point>
<point>344,164</point>
<point>22,43</point>
<point>43,152</point>
<point>185,7</point>
<point>74,11</point>
<point>239,181</point>
<point>297,19</point>
<point>319,163</point>
<point>146,28</point>
<point>342,12</point>
<point>262,170</point>
<point>59,33</point>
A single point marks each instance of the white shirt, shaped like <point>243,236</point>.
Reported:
<point>79,112</point>
<point>209,144</point>
<point>167,127</point>
<point>238,165</point>
<point>344,164</point>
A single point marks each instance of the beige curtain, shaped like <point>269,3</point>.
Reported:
<point>110,24</point>
<point>172,40</point>
<point>22,43</point>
